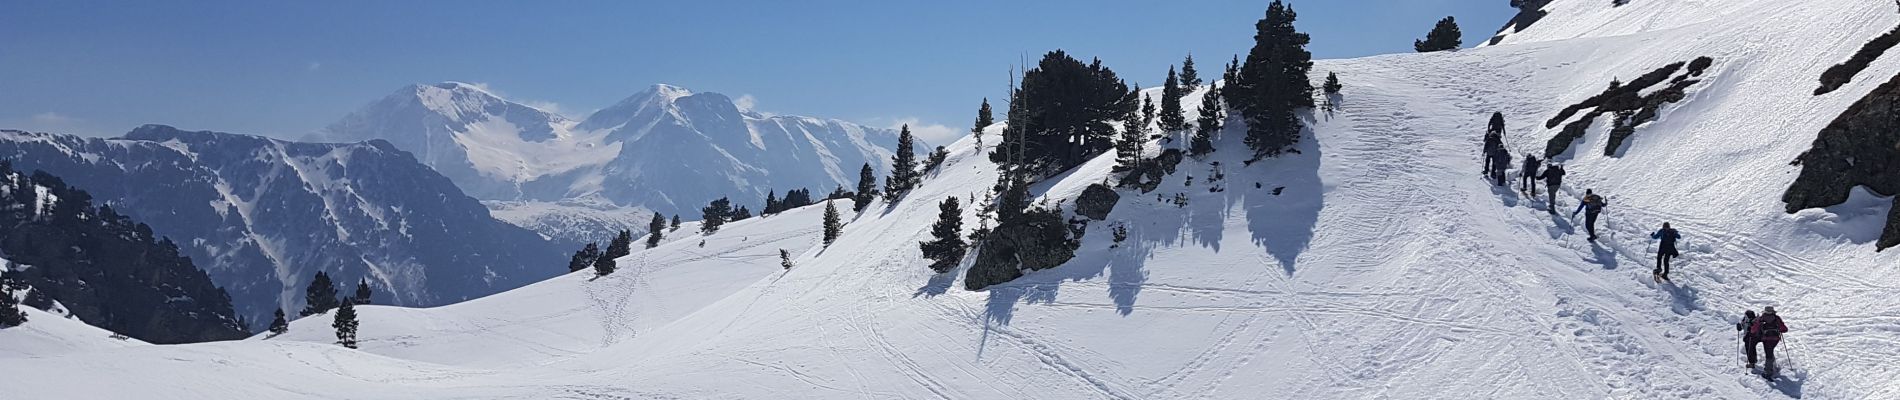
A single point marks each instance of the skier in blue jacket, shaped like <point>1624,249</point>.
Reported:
<point>1666,251</point>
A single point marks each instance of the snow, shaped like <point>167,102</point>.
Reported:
<point>1383,268</point>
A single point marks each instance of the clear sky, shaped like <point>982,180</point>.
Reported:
<point>287,68</point>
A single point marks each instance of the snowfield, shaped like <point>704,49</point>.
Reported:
<point>1373,264</point>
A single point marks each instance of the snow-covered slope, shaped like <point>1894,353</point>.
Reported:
<point>664,149</point>
<point>1374,264</point>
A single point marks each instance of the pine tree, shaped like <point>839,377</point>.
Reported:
<point>983,119</point>
<point>653,230</point>
<point>10,313</point>
<point>714,215</point>
<point>362,292</point>
<point>604,265</point>
<point>867,188</point>
<point>903,168</point>
<point>1190,79</point>
<point>936,158</point>
<point>741,214</point>
<point>1128,147</point>
<point>584,258</point>
<point>1172,117</point>
<point>1210,122</point>
<point>320,297</point>
<point>834,225</point>
<point>785,258</point>
<point>1273,83</point>
<point>1064,114</point>
<point>621,246</point>
<point>278,325</point>
<point>675,224</point>
<point>771,204</point>
<point>1332,85</point>
<point>1147,111</point>
<point>1444,36</point>
<point>1227,79</point>
<point>946,248</point>
<point>345,324</point>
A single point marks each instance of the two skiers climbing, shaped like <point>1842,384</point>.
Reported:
<point>1591,206</point>
<point>1765,329</point>
<point>1666,251</point>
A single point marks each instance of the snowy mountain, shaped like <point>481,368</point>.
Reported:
<point>262,216</point>
<point>1374,263</point>
<point>664,149</point>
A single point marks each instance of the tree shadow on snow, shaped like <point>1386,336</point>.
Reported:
<point>1282,213</point>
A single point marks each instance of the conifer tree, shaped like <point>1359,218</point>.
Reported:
<point>1129,145</point>
<point>867,188</point>
<point>1273,83</point>
<point>1147,111</point>
<point>1172,117</point>
<point>345,324</point>
<point>1212,118</point>
<point>936,158</point>
<point>584,258</point>
<point>771,204</point>
<point>714,215</point>
<point>278,325</point>
<point>840,193</point>
<point>946,247</point>
<point>675,225</point>
<point>621,246</point>
<point>741,214</point>
<point>834,225</point>
<point>983,119</point>
<point>362,292</point>
<point>903,168</point>
<point>785,258</point>
<point>320,296</point>
<point>1190,79</point>
<point>653,230</point>
<point>1444,36</point>
<point>604,265</point>
<point>10,313</point>
<point>1227,79</point>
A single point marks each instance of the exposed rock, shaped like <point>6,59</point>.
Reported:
<point>1096,202</point>
<point>1860,148</point>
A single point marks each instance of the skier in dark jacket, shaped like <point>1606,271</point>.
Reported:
<point>1591,206</point>
<point>1493,140</point>
<point>1749,338</point>
<point>1500,162</point>
<point>1553,179</point>
<point>1528,176</point>
<point>1667,251</point>
<point>1769,328</point>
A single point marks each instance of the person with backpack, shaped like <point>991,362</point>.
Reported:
<point>1493,140</point>
<point>1591,206</point>
<point>1749,338</point>
<point>1500,162</point>
<point>1666,251</point>
<point>1528,176</point>
<point>1553,177</point>
<point>1768,327</point>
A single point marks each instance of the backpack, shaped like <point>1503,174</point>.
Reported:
<point>1768,327</point>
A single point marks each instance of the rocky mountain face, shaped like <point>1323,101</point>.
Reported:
<point>665,149</point>
<point>262,216</point>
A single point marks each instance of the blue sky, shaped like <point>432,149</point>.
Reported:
<point>286,68</point>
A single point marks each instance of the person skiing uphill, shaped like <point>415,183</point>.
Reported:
<point>1591,206</point>
<point>1553,177</point>
<point>1665,252</point>
<point>1749,338</point>
<point>1528,176</point>
<point>1493,140</point>
<point>1500,162</point>
<point>1768,327</point>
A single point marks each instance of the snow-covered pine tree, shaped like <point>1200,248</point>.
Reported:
<point>867,188</point>
<point>946,247</point>
<point>984,118</point>
<point>1190,79</point>
<point>320,296</point>
<point>1172,117</point>
<point>1213,116</point>
<point>714,215</point>
<point>584,258</point>
<point>834,224</point>
<point>1273,83</point>
<point>279,325</point>
<point>362,292</point>
<point>345,324</point>
<point>1444,36</point>
<point>654,230</point>
<point>903,167</point>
